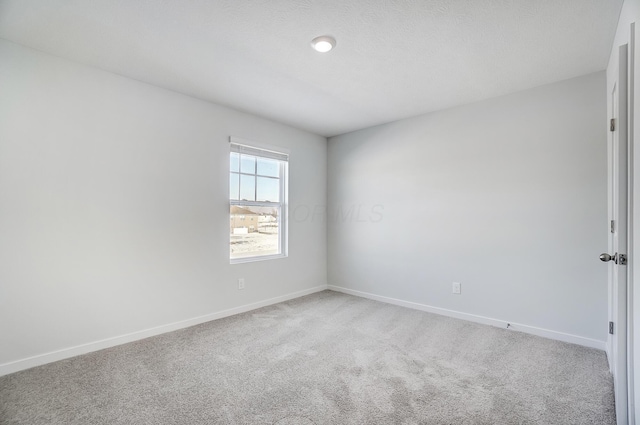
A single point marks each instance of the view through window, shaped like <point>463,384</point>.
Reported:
<point>257,192</point>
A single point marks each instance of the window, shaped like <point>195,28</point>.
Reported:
<point>257,198</point>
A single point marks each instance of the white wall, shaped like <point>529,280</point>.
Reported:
<point>114,207</point>
<point>506,196</point>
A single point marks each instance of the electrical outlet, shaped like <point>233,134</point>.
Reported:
<point>241,283</point>
<point>457,288</point>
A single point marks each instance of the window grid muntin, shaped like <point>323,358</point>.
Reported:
<point>255,176</point>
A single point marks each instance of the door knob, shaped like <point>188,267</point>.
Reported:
<point>606,257</point>
<point>616,258</point>
<point>620,259</point>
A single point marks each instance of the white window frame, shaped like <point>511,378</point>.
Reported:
<point>265,151</point>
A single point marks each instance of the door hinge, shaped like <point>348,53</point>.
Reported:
<point>612,127</point>
<point>611,328</point>
<point>613,226</point>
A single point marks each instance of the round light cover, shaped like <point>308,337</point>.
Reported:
<point>323,44</point>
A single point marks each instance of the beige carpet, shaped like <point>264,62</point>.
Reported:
<point>327,358</point>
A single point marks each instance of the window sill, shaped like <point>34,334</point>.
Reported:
<point>257,258</point>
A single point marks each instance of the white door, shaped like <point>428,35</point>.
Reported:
<point>617,169</point>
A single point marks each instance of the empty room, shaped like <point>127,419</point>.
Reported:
<point>301,212</point>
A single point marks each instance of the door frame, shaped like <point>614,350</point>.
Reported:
<point>618,199</point>
<point>633,331</point>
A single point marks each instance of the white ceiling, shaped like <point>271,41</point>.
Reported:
<point>394,58</point>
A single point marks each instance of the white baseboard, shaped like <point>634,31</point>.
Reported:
<point>22,364</point>
<point>560,336</point>
<point>29,362</point>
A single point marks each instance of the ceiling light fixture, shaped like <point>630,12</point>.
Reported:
<point>323,44</point>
